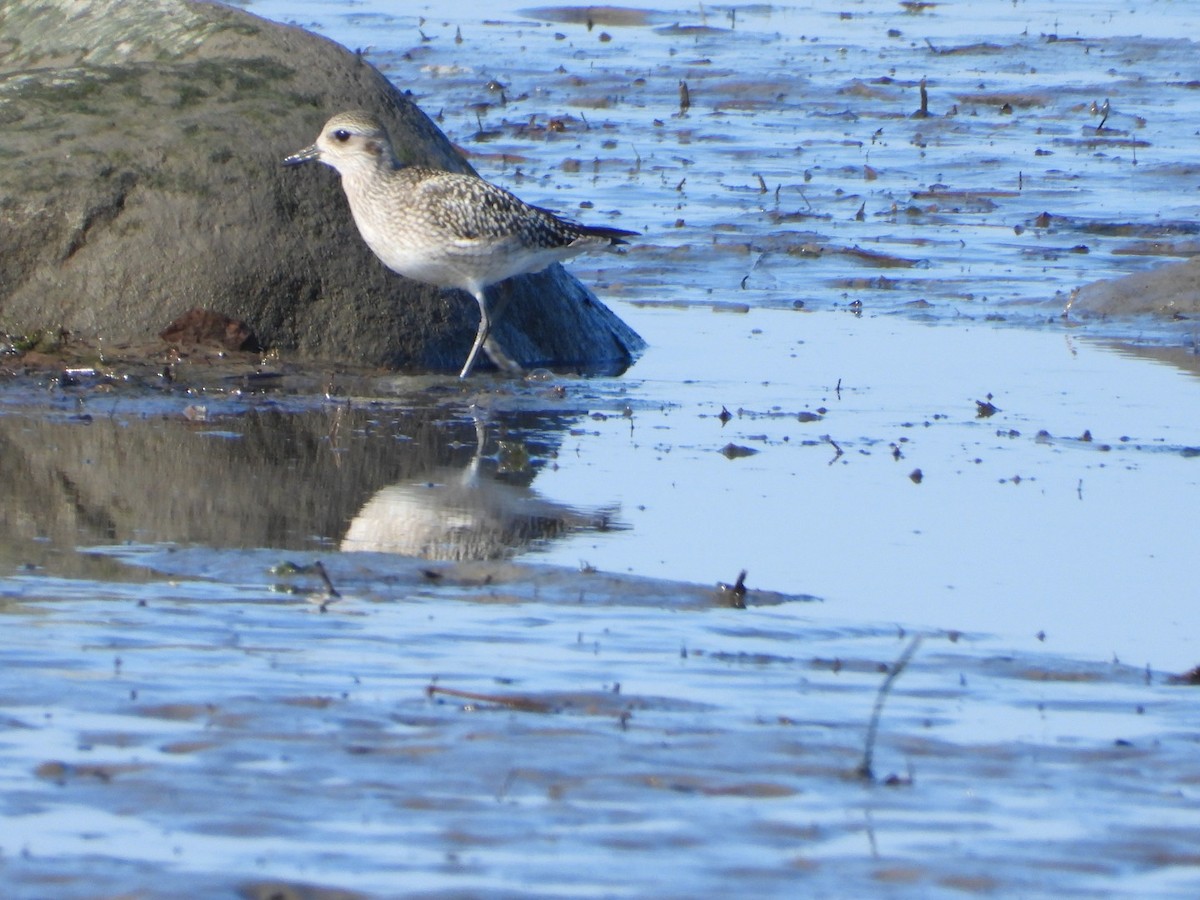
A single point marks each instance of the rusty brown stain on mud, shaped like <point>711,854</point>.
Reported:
<point>614,16</point>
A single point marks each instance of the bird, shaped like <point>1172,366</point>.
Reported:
<point>447,229</point>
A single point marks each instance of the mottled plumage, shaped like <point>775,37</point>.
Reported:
<point>445,228</point>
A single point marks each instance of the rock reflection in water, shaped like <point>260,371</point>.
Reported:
<point>483,511</point>
<point>274,478</point>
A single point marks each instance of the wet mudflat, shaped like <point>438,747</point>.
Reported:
<point>860,389</point>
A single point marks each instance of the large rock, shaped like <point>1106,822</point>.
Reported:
<point>141,178</point>
<point>1172,289</point>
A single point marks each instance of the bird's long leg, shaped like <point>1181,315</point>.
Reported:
<point>484,339</point>
<point>481,335</point>
<point>491,346</point>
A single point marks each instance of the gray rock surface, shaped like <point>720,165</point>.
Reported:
<point>1170,289</point>
<point>140,178</point>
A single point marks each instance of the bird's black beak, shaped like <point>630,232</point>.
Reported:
<point>302,156</point>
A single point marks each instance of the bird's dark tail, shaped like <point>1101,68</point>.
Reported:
<point>615,235</point>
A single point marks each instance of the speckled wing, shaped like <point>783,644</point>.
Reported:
<point>471,209</point>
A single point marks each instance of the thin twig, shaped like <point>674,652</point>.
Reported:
<point>319,568</point>
<point>864,768</point>
<point>838,454</point>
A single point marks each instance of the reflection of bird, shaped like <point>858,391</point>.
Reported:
<point>461,518</point>
<point>445,228</point>
<point>465,515</point>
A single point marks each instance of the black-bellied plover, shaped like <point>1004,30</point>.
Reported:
<point>444,228</point>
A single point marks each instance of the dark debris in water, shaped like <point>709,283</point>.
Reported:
<point>733,595</point>
<point>985,409</point>
<point>737,451</point>
<point>1192,677</point>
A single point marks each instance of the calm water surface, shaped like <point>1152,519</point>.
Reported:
<point>921,220</point>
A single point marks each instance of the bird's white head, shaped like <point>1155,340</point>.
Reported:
<point>349,142</point>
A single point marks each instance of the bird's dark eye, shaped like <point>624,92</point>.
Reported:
<point>341,135</point>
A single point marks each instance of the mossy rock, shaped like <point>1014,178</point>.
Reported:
<point>141,178</point>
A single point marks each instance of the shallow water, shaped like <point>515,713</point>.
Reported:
<point>186,714</point>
